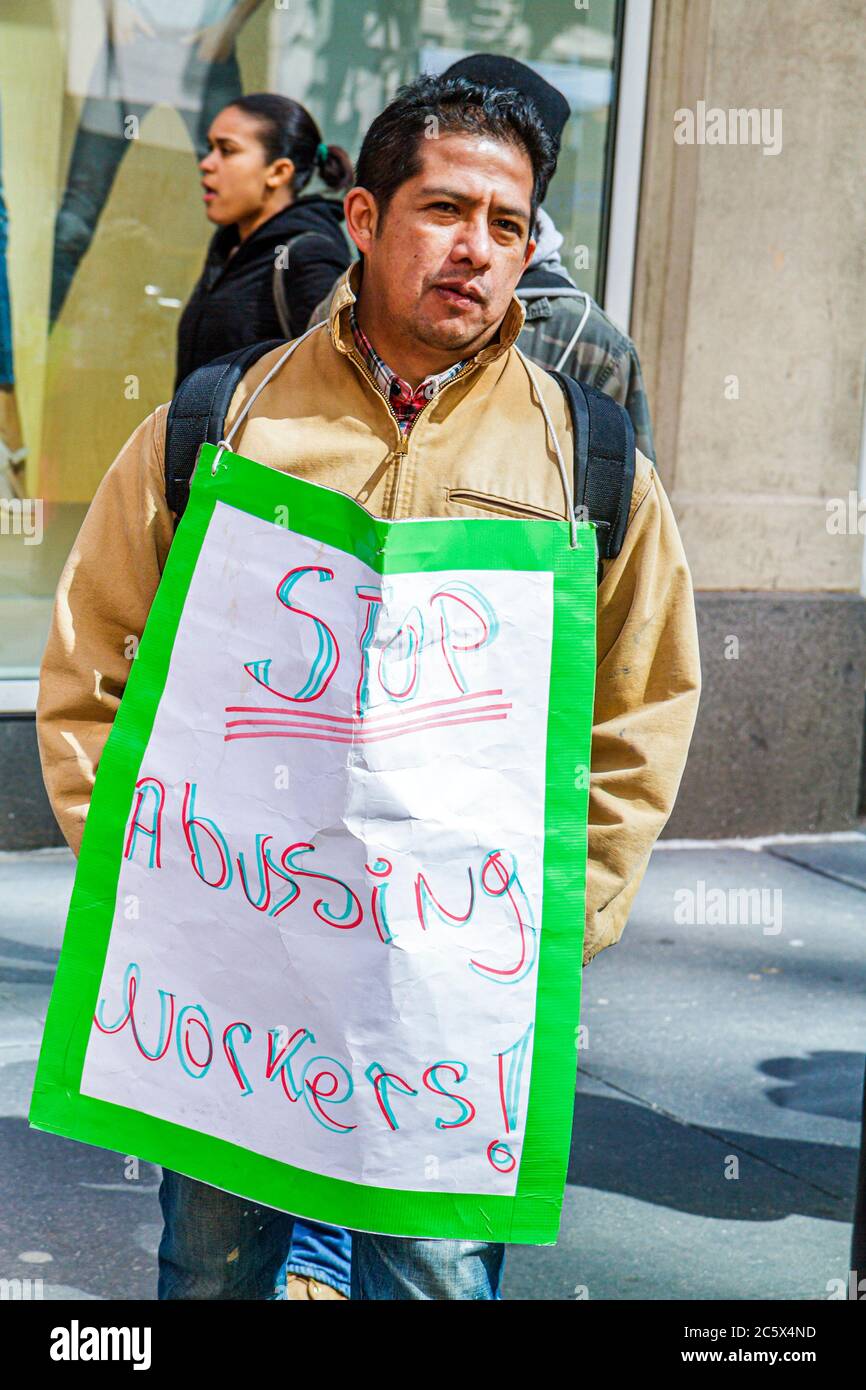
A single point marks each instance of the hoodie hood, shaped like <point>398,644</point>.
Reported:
<point>311,213</point>
<point>264,287</point>
<point>546,255</point>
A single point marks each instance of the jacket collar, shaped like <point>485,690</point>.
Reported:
<point>345,295</point>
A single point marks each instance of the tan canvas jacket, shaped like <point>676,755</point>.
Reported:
<point>479,448</point>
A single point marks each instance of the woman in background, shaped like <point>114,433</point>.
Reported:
<point>276,253</point>
<point>274,257</point>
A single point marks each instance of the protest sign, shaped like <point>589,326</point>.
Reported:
<point>324,944</point>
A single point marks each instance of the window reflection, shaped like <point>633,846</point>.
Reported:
<point>106,235</point>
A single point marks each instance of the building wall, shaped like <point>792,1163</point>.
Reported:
<point>750,315</point>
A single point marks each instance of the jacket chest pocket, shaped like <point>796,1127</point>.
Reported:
<point>501,506</point>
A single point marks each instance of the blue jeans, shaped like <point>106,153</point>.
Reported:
<point>323,1253</point>
<point>218,1246</point>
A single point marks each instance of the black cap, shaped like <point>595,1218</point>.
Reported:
<point>497,71</point>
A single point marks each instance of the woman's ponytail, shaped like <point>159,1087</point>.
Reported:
<point>335,167</point>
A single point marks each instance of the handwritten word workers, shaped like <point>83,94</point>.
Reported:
<point>322,1082</point>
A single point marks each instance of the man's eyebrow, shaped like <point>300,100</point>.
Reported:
<point>512,212</point>
<point>456,197</point>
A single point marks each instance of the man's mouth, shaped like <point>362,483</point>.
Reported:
<point>208,193</point>
<point>462,296</point>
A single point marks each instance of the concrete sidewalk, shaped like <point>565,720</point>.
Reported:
<point>716,1114</point>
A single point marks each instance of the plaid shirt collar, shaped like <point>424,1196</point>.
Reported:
<point>405,403</point>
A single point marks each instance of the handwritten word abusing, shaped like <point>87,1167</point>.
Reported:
<point>274,882</point>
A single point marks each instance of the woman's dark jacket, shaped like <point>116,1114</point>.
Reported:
<point>233,303</point>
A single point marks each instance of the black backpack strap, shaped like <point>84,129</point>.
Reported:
<point>278,283</point>
<point>197,415</point>
<point>603,460</point>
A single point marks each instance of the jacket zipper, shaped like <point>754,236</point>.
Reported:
<point>402,447</point>
<point>402,441</point>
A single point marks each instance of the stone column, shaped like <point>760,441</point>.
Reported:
<point>750,318</point>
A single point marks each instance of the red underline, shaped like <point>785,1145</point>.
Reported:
<point>351,719</point>
<point>407,728</point>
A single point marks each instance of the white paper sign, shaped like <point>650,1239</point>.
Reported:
<point>330,902</point>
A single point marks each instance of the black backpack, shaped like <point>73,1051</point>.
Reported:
<point>603,441</point>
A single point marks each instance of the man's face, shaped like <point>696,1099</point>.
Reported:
<point>444,262</point>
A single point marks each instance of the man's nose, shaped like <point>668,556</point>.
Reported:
<point>206,163</point>
<point>473,242</point>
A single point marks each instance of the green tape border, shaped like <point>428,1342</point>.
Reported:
<point>532,1215</point>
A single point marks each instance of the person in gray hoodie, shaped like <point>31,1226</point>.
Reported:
<point>565,329</point>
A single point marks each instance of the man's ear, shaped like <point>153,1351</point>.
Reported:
<point>529,252</point>
<point>362,217</point>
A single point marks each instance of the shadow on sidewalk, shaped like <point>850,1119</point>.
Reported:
<point>628,1148</point>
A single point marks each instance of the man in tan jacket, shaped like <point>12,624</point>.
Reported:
<point>414,401</point>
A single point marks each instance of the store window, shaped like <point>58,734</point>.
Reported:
<point>103,106</point>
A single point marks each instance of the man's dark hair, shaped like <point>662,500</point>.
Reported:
<point>391,152</point>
